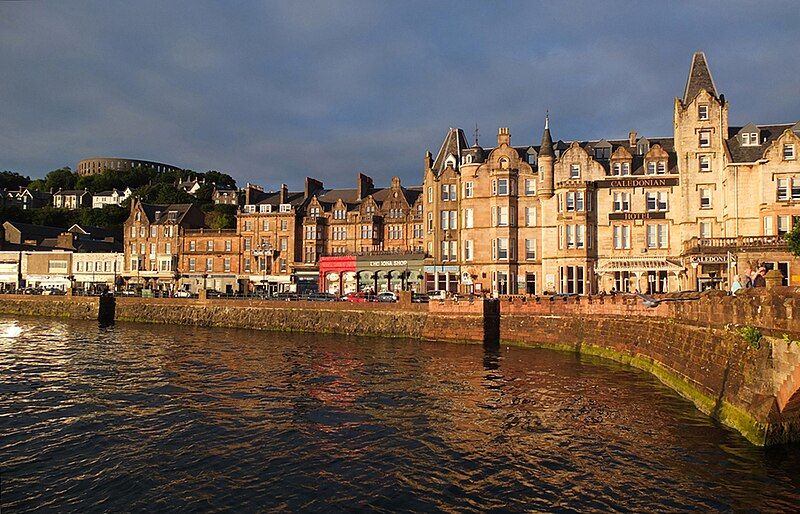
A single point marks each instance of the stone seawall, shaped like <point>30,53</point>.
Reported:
<point>695,347</point>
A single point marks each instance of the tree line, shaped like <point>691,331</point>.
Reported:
<point>148,184</point>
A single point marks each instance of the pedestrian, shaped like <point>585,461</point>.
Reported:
<point>736,285</point>
<point>759,280</point>
<point>748,279</point>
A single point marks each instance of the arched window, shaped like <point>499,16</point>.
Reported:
<point>503,163</point>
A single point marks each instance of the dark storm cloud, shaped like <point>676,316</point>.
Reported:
<point>272,92</point>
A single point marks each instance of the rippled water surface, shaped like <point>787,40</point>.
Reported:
<point>157,418</point>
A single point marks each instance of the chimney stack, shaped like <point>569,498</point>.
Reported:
<point>364,186</point>
<point>284,194</point>
<point>632,138</point>
<point>503,136</point>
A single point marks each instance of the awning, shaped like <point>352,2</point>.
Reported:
<point>636,264</point>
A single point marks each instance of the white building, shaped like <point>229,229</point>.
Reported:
<point>112,197</point>
<point>9,270</point>
<point>96,270</point>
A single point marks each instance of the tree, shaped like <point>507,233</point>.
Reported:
<point>793,237</point>
<point>13,180</point>
<point>221,216</point>
<point>62,178</point>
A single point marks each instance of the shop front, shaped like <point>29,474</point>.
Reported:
<point>345,274</point>
<point>443,278</point>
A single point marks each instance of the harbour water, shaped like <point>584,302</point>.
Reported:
<point>162,418</point>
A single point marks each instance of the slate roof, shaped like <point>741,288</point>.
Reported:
<point>752,153</point>
<point>453,143</point>
<point>163,211</point>
<point>699,78</point>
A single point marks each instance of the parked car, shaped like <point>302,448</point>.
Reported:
<point>287,297</point>
<point>31,290</point>
<point>128,292</point>
<point>437,295</point>
<point>387,297</point>
<point>322,297</point>
<point>213,293</point>
<point>54,292</point>
<point>182,293</point>
<point>419,298</point>
<point>360,297</point>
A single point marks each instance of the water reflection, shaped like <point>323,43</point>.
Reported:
<point>136,417</point>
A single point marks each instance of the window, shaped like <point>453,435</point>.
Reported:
<point>662,167</point>
<point>502,248</point>
<point>445,192</point>
<point>602,153</point>
<point>530,187</point>
<point>572,280</point>
<point>209,264</point>
<point>285,207</point>
<point>339,214</point>
<point>570,201</point>
<point>153,231</point>
<point>502,187</point>
<point>468,218</point>
<point>227,264</point>
<point>453,220</point>
<point>796,188</point>
<point>616,169</point>
<point>750,139</point>
<point>705,198</point>
<point>626,168</point>
<point>249,209</point>
<point>502,216</point>
<point>658,235</point>
<point>284,244</point>
<point>452,195</point>
<point>783,225</point>
<point>782,190</point>
<point>503,163</point>
<point>209,246</point>
<point>430,195</point>
<point>192,264</point>
<point>704,139</point>
<point>657,201</point>
<point>138,216</point>
<point>702,112</point>
<point>468,189</point>
<point>248,225</point>
<point>575,171</point>
<point>192,246</point>
<point>247,244</point>
<point>768,227</point>
<point>168,248</point>
<point>622,237</point>
<point>430,222</point>
<point>788,152</point>
<point>284,224</point>
<point>247,264</point>
<point>580,233</point>
<point>530,283</point>
<point>265,208</point>
<point>622,202</point>
<point>705,229</point>
<point>530,249</point>
<point>651,168</point>
<point>530,216</point>
<point>570,230</point>
<point>227,246</point>
<point>704,162</point>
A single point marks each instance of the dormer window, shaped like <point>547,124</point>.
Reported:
<point>468,159</point>
<point>750,139</point>
<point>532,159</point>
<point>250,209</point>
<point>575,171</point>
<point>450,162</point>
<point>602,153</point>
<point>264,208</point>
<point>314,212</point>
<point>138,216</point>
<point>626,168</point>
<point>651,168</point>
<point>788,152</point>
<point>661,167</point>
<point>702,112</point>
<point>503,163</point>
<point>643,146</point>
<point>616,169</point>
<point>285,207</point>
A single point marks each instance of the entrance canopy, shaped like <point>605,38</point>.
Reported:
<point>637,264</point>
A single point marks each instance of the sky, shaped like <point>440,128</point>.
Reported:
<point>272,92</point>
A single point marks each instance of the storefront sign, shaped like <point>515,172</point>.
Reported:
<point>441,269</point>
<point>709,259</point>
<point>638,182</point>
<point>637,216</point>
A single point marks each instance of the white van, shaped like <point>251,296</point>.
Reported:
<point>437,295</point>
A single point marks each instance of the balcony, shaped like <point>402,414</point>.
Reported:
<point>698,245</point>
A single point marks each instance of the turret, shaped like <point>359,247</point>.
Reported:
<point>546,162</point>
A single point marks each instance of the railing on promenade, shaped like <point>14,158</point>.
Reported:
<point>720,244</point>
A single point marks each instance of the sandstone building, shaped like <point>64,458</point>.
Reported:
<point>638,213</point>
<point>641,213</point>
